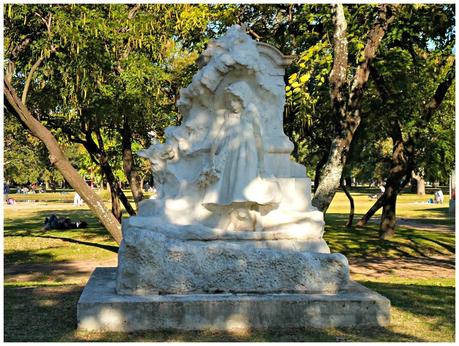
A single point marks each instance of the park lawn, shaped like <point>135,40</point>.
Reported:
<point>26,243</point>
<point>44,310</point>
<point>408,206</point>
<point>407,242</point>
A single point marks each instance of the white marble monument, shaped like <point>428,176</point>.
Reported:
<point>233,215</point>
<point>234,212</point>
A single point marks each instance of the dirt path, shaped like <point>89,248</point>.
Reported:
<point>74,271</point>
<point>407,268</point>
<point>413,223</point>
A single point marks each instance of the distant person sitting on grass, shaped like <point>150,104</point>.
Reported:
<point>438,197</point>
<point>77,200</point>
<point>379,194</point>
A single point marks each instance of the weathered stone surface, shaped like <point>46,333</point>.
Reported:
<point>101,309</point>
<point>152,263</point>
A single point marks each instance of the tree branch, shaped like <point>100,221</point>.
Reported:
<point>29,78</point>
<point>375,36</point>
<point>338,73</point>
<point>439,95</point>
<point>39,61</point>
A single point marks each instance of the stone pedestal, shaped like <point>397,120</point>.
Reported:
<point>100,308</point>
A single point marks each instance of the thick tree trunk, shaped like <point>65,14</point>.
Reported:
<point>388,217</point>
<point>346,104</point>
<point>128,163</point>
<point>420,184</point>
<point>351,203</point>
<point>331,174</point>
<point>58,159</point>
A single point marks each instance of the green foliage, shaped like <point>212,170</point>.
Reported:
<point>25,157</point>
<point>106,65</point>
<point>412,59</point>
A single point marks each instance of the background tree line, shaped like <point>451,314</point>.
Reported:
<point>370,94</point>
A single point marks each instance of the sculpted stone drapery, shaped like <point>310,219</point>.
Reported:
<point>228,188</point>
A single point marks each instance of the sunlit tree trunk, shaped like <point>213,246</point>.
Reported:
<point>346,100</point>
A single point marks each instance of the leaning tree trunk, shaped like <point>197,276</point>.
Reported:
<point>374,208</point>
<point>58,159</point>
<point>351,203</point>
<point>128,163</point>
<point>99,156</point>
<point>346,101</point>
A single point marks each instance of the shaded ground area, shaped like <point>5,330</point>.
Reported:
<point>414,223</point>
<point>408,268</point>
<point>62,272</point>
<point>56,306</point>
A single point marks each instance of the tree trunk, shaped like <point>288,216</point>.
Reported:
<point>58,159</point>
<point>374,208</point>
<point>351,203</point>
<point>131,174</point>
<point>116,205</point>
<point>142,180</point>
<point>420,184</point>
<point>99,156</point>
<point>388,217</point>
<point>348,181</point>
<point>402,158</point>
<point>346,104</point>
<point>319,167</point>
<point>331,175</point>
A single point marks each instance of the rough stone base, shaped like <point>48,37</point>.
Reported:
<point>101,309</point>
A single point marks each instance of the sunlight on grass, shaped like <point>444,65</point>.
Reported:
<point>25,242</point>
<point>408,206</point>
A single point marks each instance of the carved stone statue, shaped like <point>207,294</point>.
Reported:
<point>230,199</point>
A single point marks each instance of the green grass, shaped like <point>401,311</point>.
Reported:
<point>43,309</point>
<point>408,241</point>
<point>26,243</point>
<point>408,206</point>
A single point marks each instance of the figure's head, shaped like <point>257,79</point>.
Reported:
<point>235,103</point>
<point>238,96</point>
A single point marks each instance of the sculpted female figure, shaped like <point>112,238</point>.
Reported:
<point>236,177</point>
